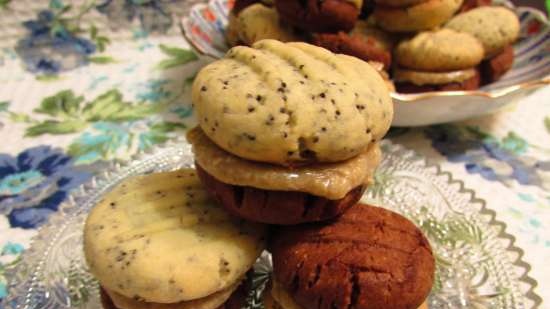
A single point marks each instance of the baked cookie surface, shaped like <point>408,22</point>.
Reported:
<point>258,22</point>
<point>439,50</point>
<point>422,16</point>
<point>494,27</point>
<point>320,16</point>
<point>159,238</point>
<point>367,258</point>
<point>291,104</point>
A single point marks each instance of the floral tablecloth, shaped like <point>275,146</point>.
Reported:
<point>85,83</point>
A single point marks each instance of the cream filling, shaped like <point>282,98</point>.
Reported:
<point>212,301</point>
<point>330,180</point>
<point>432,78</point>
<point>280,299</point>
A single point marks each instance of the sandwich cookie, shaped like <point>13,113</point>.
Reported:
<point>291,118</point>
<point>433,61</point>
<point>159,241</point>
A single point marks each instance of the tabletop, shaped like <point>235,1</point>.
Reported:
<point>91,82</point>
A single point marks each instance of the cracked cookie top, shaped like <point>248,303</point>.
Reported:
<point>367,258</point>
<point>291,104</point>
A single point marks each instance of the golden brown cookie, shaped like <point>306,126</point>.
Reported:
<point>495,27</point>
<point>258,22</point>
<point>367,258</point>
<point>439,51</point>
<point>423,16</point>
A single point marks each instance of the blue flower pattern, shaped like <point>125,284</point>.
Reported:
<point>479,152</point>
<point>34,183</point>
<point>49,52</point>
<point>153,15</point>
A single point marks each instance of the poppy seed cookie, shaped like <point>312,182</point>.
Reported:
<point>367,258</point>
<point>320,16</point>
<point>423,16</point>
<point>159,238</point>
<point>438,51</point>
<point>494,27</point>
<point>291,104</point>
<point>258,22</point>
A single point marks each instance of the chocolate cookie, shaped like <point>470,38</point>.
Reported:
<point>319,16</point>
<point>367,258</point>
<point>364,48</point>
<point>241,5</point>
<point>276,207</point>
<point>472,4</point>
<point>493,69</point>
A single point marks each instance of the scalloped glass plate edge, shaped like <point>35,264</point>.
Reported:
<point>22,279</point>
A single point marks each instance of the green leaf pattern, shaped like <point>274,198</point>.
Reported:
<point>177,57</point>
<point>110,127</point>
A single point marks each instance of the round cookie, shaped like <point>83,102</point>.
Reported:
<point>291,104</point>
<point>494,27</point>
<point>367,258</point>
<point>320,16</point>
<point>422,16</point>
<point>439,51</point>
<point>365,48</point>
<point>258,22</point>
<point>159,238</point>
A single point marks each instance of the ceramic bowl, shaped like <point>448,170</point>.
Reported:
<point>204,28</point>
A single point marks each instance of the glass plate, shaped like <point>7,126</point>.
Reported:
<point>478,265</point>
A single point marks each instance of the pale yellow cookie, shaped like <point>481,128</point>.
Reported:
<point>159,238</point>
<point>439,50</point>
<point>291,103</point>
<point>258,22</point>
<point>423,16</point>
<point>494,27</point>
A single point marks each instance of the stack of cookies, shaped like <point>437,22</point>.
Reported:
<point>288,136</point>
<point>474,49</point>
